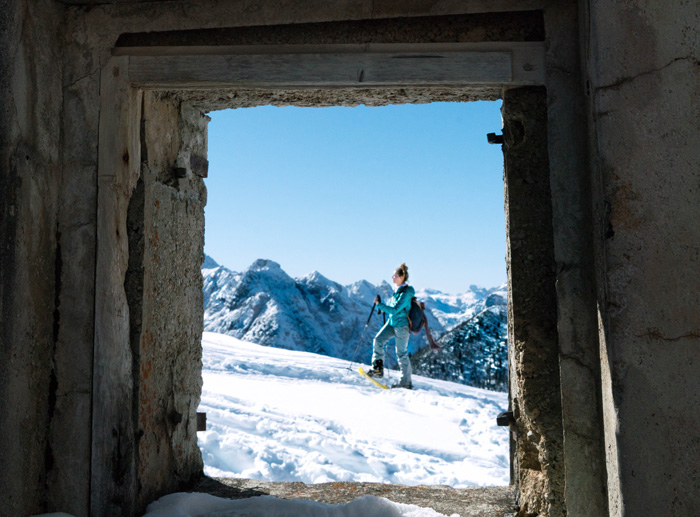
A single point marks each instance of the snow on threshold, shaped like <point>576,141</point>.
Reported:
<point>200,505</point>
<point>281,415</point>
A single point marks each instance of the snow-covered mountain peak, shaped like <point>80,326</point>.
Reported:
<point>209,263</point>
<point>386,285</point>
<point>365,291</point>
<point>266,275</point>
<point>495,299</point>
<point>264,265</point>
<point>360,285</point>
<point>317,280</point>
<point>428,291</point>
<point>478,291</point>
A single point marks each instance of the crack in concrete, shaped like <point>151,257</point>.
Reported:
<point>584,436</point>
<point>14,97</point>
<point>621,82</point>
<point>80,79</point>
<point>16,59</point>
<point>569,73</point>
<point>655,333</point>
<point>68,393</point>
<point>566,267</point>
<point>77,226</point>
<point>14,105</point>
<point>578,361</point>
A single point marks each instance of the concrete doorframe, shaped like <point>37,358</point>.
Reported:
<point>492,67</point>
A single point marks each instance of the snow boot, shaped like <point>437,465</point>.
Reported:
<point>377,370</point>
<point>405,386</point>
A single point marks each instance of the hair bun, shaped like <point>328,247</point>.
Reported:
<point>403,268</point>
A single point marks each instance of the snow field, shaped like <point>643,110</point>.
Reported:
<point>281,415</point>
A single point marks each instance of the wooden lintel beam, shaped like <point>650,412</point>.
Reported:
<point>332,66</point>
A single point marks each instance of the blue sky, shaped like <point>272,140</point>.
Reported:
<point>353,192</point>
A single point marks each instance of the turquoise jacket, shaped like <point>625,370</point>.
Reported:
<point>398,306</point>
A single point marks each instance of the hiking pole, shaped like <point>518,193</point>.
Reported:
<point>361,334</point>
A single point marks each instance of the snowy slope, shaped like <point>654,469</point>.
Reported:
<point>284,415</point>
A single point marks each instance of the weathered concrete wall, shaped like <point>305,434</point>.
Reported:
<point>532,312</point>
<point>32,252</point>
<point>166,306</point>
<point>643,64</point>
<point>579,370</point>
<point>71,430</point>
<point>641,74</point>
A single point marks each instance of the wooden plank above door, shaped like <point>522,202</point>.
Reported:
<point>494,63</point>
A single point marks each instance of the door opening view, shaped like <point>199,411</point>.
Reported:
<point>316,220</point>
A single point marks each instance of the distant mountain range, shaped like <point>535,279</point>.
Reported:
<point>264,305</point>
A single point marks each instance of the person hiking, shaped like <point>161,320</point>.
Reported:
<point>397,327</point>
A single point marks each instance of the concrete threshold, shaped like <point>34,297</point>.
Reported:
<point>466,502</point>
